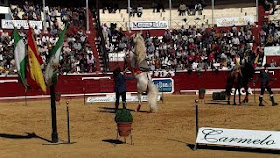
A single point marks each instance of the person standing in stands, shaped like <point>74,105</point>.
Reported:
<point>265,84</point>
<point>120,86</point>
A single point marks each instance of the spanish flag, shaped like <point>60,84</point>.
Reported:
<point>34,63</point>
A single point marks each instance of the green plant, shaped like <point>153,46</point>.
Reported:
<point>202,91</point>
<point>57,94</point>
<point>123,115</point>
<point>57,97</point>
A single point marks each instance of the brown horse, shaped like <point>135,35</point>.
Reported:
<point>238,79</point>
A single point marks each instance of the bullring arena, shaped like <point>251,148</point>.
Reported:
<point>171,132</point>
<point>62,63</point>
<point>167,133</point>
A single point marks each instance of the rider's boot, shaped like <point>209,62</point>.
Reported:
<point>261,101</point>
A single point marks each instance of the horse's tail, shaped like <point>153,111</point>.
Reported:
<point>152,96</point>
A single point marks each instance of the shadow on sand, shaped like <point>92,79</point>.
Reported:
<point>112,110</point>
<point>113,141</point>
<point>225,148</point>
<point>27,136</point>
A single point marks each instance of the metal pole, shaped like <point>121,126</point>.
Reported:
<point>162,94</point>
<point>254,84</point>
<point>44,12</point>
<point>257,11</point>
<point>196,118</point>
<point>170,18</point>
<point>87,12</point>
<point>84,89</point>
<point>53,112</point>
<point>128,7</point>
<point>25,98</point>
<point>196,122</point>
<point>68,121</point>
<point>213,3</point>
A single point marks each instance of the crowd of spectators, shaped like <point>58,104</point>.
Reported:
<point>189,48</point>
<point>198,49</point>
<point>191,9</point>
<point>270,5</point>
<point>76,56</point>
<point>54,15</point>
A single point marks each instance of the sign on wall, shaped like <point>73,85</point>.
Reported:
<point>239,138</point>
<point>165,85</point>
<point>148,25</point>
<point>272,51</point>
<point>116,56</point>
<point>112,98</point>
<point>237,21</point>
<point>8,24</point>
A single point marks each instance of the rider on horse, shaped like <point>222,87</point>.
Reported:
<point>236,71</point>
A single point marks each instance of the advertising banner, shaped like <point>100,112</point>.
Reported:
<point>237,21</point>
<point>148,25</point>
<point>164,85</point>
<point>112,98</point>
<point>239,138</point>
<point>272,51</point>
<point>8,24</point>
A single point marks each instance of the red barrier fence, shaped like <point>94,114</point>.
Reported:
<point>103,83</point>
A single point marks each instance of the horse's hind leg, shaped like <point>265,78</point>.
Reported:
<point>246,99</point>
<point>228,92</point>
<point>139,102</point>
<point>234,103</point>
<point>239,96</point>
<point>228,101</point>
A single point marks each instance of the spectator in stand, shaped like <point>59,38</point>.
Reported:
<point>75,17</point>
<point>154,6</point>
<point>116,7</point>
<point>90,62</point>
<point>131,11</point>
<point>139,11</point>
<point>161,6</point>
<point>82,17</point>
<point>182,9</point>
<point>199,8</point>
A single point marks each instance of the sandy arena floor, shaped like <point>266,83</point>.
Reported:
<point>163,134</point>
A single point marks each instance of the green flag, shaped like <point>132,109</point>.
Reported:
<point>52,67</point>
<point>20,57</point>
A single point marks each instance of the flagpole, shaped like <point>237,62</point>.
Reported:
<point>25,99</point>
<point>53,111</point>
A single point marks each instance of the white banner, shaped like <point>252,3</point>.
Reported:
<point>237,21</point>
<point>272,51</point>
<point>8,24</point>
<point>148,25</point>
<point>4,10</point>
<point>164,85</point>
<point>112,98</point>
<point>239,138</point>
<point>116,56</point>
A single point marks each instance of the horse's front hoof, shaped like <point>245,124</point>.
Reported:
<point>138,108</point>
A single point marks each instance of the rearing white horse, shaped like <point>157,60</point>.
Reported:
<point>136,63</point>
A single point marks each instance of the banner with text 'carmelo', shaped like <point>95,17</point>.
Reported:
<point>20,57</point>
<point>52,67</point>
<point>34,64</point>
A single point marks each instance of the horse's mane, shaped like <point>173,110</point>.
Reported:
<point>139,47</point>
<point>248,70</point>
